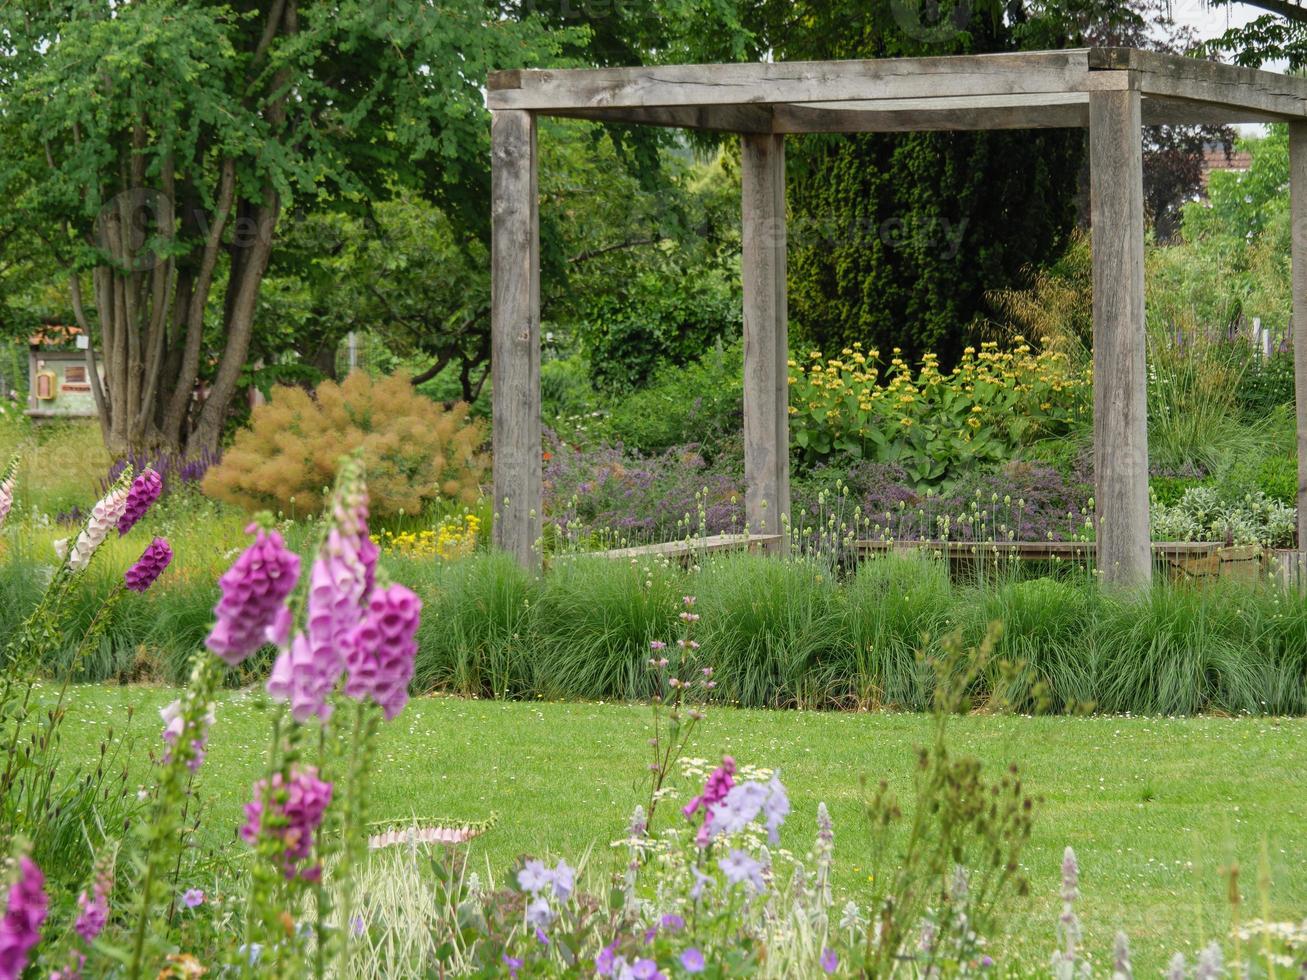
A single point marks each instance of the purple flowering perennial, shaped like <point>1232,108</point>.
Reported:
<point>20,930</point>
<point>307,798</point>
<point>381,650</point>
<point>92,912</point>
<point>149,566</point>
<point>253,590</point>
<point>144,492</point>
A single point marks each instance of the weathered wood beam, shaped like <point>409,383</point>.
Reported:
<point>787,82</point>
<point>720,118</point>
<point>515,335</point>
<point>1298,251</point>
<point>1044,111</point>
<point>1194,80</point>
<point>766,342</point>
<point>1120,395</point>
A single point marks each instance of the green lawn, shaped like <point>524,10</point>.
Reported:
<point>1155,808</point>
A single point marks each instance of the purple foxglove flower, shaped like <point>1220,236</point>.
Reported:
<point>173,724</point>
<point>380,652</point>
<point>144,492</point>
<point>92,912</point>
<point>307,798</point>
<point>692,961</point>
<point>20,929</point>
<point>149,566</point>
<point>739,868</point>
<point>253,591</point>
<point>718,784</point>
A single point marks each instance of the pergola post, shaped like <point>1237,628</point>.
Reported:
<point>766,341</point>
<point>515,335</point>
<point>1298,249</point>
<point>1120,378</point>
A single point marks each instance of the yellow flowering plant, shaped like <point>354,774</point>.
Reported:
<point>454,537</point>
<point>928,421</point>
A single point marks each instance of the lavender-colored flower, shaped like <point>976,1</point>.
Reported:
<point>539,914</point>
<point>775,808</point>
<point>513,963</point>
<point>829,961</point>
<point>1177,969</point>
<point>380,652</point>
<point>306,801</point>
<point>692,960</point>
<point>606,959</point>
<point>104,517</point>
<point>701,881</point>
<point>644,969</point>
<point>739,868</point>
<point>672,922</point>
<point>715,788</point>
<point>533,877</point>
<point>149,566</point>
<point>193,898</point>
<point>144,492</point>
<point>253,591</point>
<point>563,878</point>
<point>20,929</point>
<point>746,802</point>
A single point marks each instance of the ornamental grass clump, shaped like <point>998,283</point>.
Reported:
<point>416,452</point>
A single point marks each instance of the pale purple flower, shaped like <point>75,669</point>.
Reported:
<point>563,878</point>
<point>692,960</point>
<point>307,798</point>
<point>672,922</point>
<point>513,963</point>
<point>144,492</point>
<point>605,961</point>
<point>1122,969</point>
<point>380,651</point>
<point>1210,964</point>
<point>1177,969</point>
<point>25,911</point>
<point>149,566</point>
<point>829,961</point>
<point>193,898</point>
<point>701,881</point>
<point>645,969</point>
<point>538,913</point>
<point>738,808</point>
<point>775,808</point>
<point>657,645</point>
<point>253,591</point>
<point>533,877</point>
<point>739,868</point>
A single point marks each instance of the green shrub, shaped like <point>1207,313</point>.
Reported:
<point>701,403</point>
<point>1204,514</point>
<point>1277,478</point>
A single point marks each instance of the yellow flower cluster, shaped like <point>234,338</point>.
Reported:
<point>859,404</point>
<point>454,537</point>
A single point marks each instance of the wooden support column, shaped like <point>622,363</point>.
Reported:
<point>515,335</point>
<point>1120,373</point>
<point>766,340</point>
<point>1298,250</point>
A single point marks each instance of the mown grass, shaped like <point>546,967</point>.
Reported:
<point>1155,808</point>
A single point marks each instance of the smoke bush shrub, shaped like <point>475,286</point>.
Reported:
<point>416,452</point>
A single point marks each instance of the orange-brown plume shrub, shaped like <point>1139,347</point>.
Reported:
<point>415,451</point>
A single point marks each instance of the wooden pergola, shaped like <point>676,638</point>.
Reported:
<point>1112,91</point>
